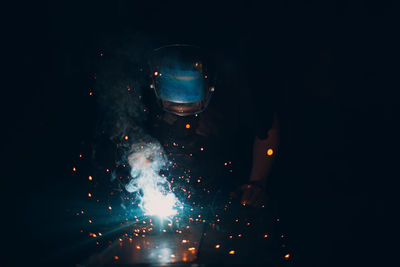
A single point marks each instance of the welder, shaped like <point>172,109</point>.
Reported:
<point>208,106</point>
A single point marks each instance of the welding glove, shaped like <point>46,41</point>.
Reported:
<point>252,194</point>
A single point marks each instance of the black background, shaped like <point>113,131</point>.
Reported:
<point>334,63</point>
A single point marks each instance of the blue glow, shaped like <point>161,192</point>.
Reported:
<point>181,86</point>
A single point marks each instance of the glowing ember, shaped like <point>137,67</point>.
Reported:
<point>217,246</point>
<point>270,151</point>
<point>232,252</point>
<point>188,126</point>
<point>287,256</point>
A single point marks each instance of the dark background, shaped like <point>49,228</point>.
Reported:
<point>334,64</point>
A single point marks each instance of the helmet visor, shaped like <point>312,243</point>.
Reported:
<point>180,79</point>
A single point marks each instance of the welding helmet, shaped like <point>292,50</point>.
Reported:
<point>180,79</point>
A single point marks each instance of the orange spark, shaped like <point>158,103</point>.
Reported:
<point>270,151</point>
<point>188,126</point>
<point>287,256</point>
<point>232,252</point>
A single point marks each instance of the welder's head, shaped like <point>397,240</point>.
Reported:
<point>180,79</point>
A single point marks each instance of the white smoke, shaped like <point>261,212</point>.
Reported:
<point>152,188</point>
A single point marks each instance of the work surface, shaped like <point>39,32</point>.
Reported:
<point>238,235</point>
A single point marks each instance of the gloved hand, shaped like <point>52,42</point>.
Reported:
<point>252,194</point>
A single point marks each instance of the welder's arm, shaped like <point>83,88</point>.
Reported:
<point>264,153</point>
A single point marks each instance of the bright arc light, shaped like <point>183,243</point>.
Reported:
<point>152,189</point>
<point>156,203</point>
